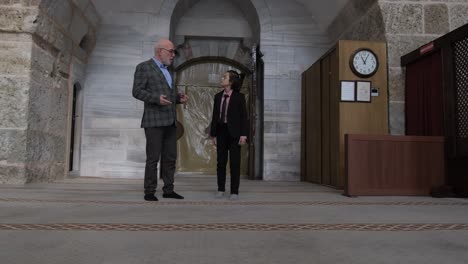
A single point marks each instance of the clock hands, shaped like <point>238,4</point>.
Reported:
<point>360,65</point>
<point>364,60</point>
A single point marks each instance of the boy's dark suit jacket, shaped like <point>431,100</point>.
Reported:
<point>236,114</point>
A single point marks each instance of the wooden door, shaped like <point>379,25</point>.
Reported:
<point>325,122</point>
<point>312,131</point>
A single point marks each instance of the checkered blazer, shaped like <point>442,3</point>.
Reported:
<point>149,84</point>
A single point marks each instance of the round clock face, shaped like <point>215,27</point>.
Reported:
<point>364,63</point>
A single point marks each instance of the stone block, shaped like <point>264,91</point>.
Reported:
<point>45,172</point>
<point>458,15</point>
<point>107,163</point>
<point>397,118</point>
<point>401,45</point>
<point>102,139</point>
<point>396,83</point>
<point>13,145</point>
<point>282,128</point>
<point>402,18</point>
<point>56,112</point>
<point>44,147</point>
<point>436,20</point>
<point>58,171</point>
<point>48,107</point>
<point>34,3</point>
<point>135,138</point>
<point>37,118</point>
<point>15,54</point>
<point>270,91</point>
<point>137,155</point>
<point>274,127</point>
<point>123,49</point>
<point>295,107</point>
<point>12,174</point>
<point>15,19</point>
<point>270,127</point>
<point>285,55</point>
<point>45,28</point>
<point>269,106</point>
<point>282,105</point>
<point>119,169</point>
<point>37,172</point>
<point>14,95</point>
<point>274,171</point>
<point>92,122</point>
<point>42,62</point>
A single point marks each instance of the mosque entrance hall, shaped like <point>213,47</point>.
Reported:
<point>329,87</point>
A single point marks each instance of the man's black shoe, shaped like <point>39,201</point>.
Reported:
<point>173,195</point>
<point>151,197</point>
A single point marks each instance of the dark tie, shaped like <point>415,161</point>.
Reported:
<point>223,109</point>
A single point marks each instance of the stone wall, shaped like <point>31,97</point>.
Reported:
<point>291,41</point>
<point>405,25</point>
<point>113,144</point>
<point>39,39</point>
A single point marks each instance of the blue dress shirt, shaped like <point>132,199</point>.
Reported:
<point>164,71</point>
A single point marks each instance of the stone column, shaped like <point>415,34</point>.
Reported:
<point>15,67</point>
<point>37,42</point>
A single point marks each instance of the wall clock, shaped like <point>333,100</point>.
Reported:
<point>364,63</point>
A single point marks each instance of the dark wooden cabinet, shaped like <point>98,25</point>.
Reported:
<point>326,119</point>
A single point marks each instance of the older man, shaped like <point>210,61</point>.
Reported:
<point>154,85</point>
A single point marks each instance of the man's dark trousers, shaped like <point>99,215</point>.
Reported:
<point>160,141</point>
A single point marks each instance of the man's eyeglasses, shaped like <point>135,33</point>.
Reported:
<point>172,51</point>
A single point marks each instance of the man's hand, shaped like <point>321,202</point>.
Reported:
<point>163,100</point>
<point>183,98</point>
<point>213,139</point>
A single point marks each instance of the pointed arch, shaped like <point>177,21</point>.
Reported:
<point>258,11</point>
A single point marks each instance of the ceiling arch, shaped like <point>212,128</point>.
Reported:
<point>248,8</point>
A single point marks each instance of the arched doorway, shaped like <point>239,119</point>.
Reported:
<point>200,80</point>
